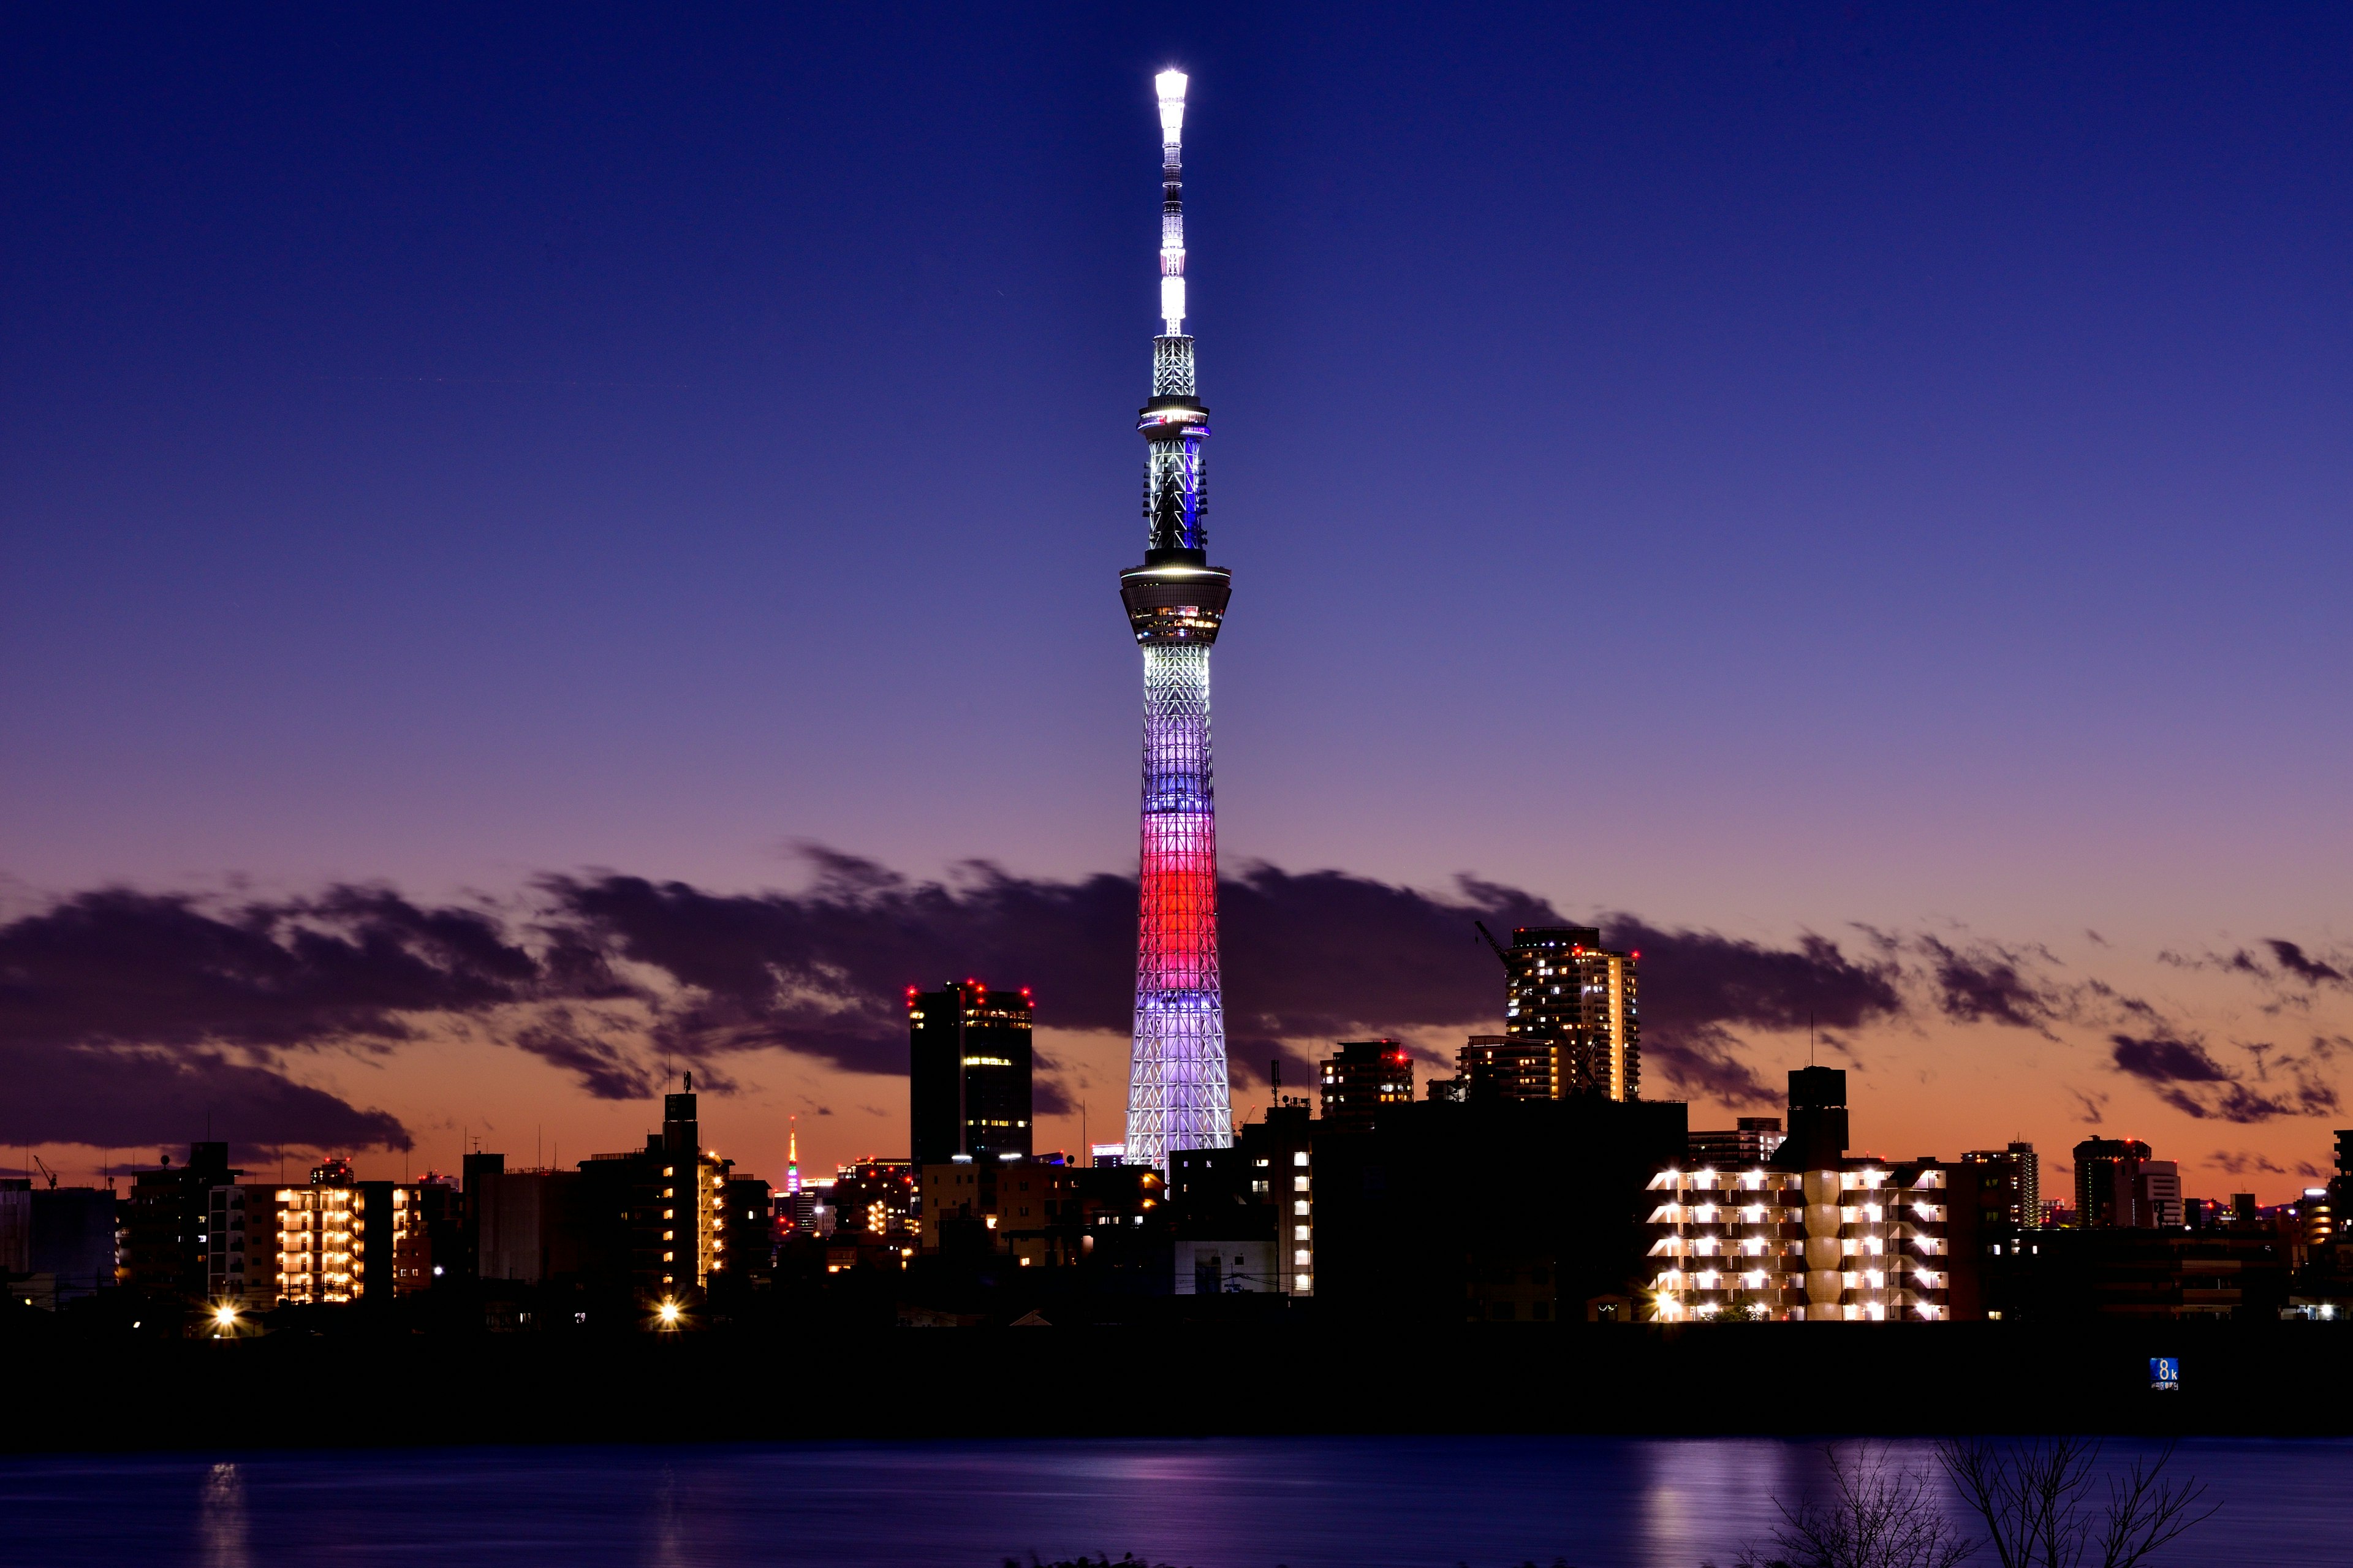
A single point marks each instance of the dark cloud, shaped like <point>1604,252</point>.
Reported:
<point>124,1015</point>
<point>1988,985</point>
<point>2242,1161</point>
<point>1699,988</point>
<point>2183,1074</point>
<point>614,979</point>
<point>2312,972</point>
<point>607,1069</point>
<point>142,1097</point>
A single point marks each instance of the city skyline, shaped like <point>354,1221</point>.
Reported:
<point>1862,493</point>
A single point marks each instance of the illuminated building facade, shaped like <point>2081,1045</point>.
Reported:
<point>341,1240</point>
<point>1179,1094</point>
<point>1363,1076</point>
<point>969,1068</point>
<point>1562,986</point>
<point>1862,1240</point>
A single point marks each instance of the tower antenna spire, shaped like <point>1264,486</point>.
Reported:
<point>1180,1094</point>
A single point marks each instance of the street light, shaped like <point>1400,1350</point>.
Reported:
<point>668,1314</point>
<point>224,1319</point>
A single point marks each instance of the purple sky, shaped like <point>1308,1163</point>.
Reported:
<point>1763,468</point>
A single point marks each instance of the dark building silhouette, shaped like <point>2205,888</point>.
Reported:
<point>968,1073</point>
<point>163,1227</point>
<point>1501,1210</point>
<point>1362,1076</point>
<point>1818,1125</point>
<point>2107,1180</point>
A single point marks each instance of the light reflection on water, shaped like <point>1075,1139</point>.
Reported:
<point>1217,1503</point>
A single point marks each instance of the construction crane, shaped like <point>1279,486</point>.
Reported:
<point>1502,956</point>
<point>52,1176</point>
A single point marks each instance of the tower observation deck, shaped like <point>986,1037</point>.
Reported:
<point>1178,1095</point>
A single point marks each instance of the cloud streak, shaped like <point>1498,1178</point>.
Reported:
<point>127,1014</point>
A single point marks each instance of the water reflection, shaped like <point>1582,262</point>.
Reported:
<point>222,1529</point>
<point>1373,1502</point>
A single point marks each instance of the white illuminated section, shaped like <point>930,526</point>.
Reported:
<point>1171,83</point>
<point>1171,86</point>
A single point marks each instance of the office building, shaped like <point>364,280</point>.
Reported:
<point>2010,1185</point>
<point>1561,985</point>
<point>968,1073</point>
<point>1179,1095</point>
<point>2107,1177</point>
<point>2157,1195</point>
<point>1362,1076</point>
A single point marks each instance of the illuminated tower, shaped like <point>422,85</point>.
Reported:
<point>1178,1091</point>
<point>793,1157</point>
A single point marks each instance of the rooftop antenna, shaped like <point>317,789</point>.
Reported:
<point>1274,1080</point>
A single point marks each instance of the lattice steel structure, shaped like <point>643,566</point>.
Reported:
<point>1178,1096</point>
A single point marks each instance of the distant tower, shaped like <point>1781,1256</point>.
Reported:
<point>793,1157</point>
<point>1179,1094</point>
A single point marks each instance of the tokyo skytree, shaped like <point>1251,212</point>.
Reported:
<point>1177,1092</point>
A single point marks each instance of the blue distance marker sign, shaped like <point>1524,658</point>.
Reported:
<point>2165,1373</point>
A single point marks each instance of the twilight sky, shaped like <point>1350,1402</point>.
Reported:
<point>542,547</point>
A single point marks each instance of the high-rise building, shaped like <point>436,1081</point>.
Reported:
<point>241,1246</point>
<point>968,1079</point>
<point>2010,1185</point>
<point>2107,1172</point>
<point>2340,1186</point>
<point>1363,1076</point>
<point>1561,985</point>
<point>1179,1095</point>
